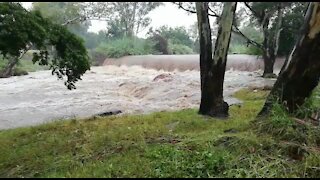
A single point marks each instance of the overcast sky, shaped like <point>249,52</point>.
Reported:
<point>168,14</point>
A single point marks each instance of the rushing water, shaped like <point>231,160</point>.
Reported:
<point>39,97</point>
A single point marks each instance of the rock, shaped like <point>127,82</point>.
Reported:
<point>165,77</point>
<point>231,131</point>
<point>270,75</point>
<point>109,113</point>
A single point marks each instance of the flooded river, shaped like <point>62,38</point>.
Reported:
<point>39,97</point>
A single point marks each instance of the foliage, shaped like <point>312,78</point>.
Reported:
<point>62,12</point>
<point>179,49</point>
<point>265,13</point>
<point>177,35</point>
<point>170,40</point>
<point>243,49</point>
<point>69,57</point>
<point>292,23</point>
<point>238,44</point>
<point>160,44</point>
<point>124,47</point>
<point>126,18</point>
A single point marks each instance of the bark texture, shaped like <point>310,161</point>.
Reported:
<point>301,71</point>
<point>212,70</point>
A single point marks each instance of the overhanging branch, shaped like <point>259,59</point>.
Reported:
<point>253,11</point>
<point>192,11</point>
<point>235,29</point>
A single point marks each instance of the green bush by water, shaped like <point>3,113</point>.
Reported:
<point>124,47</point>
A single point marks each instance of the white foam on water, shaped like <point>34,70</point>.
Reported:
<point>39,97</point>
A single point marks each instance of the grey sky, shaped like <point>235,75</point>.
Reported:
<point>168,14</point>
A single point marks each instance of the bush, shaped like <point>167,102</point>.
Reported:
<point>19,72</point>
<point>124,47</point>
<point>242,49</point>
<point>179,49</point>
<point>97,58</point>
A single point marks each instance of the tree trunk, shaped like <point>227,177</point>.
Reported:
<point>212,70</point>
<point>268,64</point>
<point>300,74</point>
<point>7,71</point>
<point>271,43</point>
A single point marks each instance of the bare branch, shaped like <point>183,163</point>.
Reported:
<point>191,11</point>
<point>71,21</point>
<point>236,30</point>
<point>253,11</point>
<point>214,13</point>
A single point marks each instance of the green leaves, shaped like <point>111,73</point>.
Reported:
<point>21,30</point>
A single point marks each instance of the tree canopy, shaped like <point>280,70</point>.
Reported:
<point>62,50</point>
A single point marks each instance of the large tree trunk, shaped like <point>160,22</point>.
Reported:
<point>7,71</point>
<point>212,70</point>
<point>300,74</point>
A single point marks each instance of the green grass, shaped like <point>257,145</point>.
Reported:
<point>162,144</point>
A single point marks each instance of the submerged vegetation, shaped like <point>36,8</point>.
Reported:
<point>166,144</point>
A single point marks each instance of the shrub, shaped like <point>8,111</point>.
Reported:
<point>125,46</point>
<point>242,49</point>
<point>179,49</point>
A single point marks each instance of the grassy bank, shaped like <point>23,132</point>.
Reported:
<point>163,144</point>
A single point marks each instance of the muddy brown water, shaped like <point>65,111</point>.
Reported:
<point>39,97</point>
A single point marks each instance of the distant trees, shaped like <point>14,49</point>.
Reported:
<point>170,40</point>
<point>21,30</point>
<point>127,18</point>
<point>70,15</point>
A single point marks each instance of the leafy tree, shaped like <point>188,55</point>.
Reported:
<point>160,44</point>
<point>177,35</point>
<point>291,24</point>
<point>20,30</point>
<point>301,71</point>
<point>68,14</point>
<point>125,18</point>
<point>171,40</point>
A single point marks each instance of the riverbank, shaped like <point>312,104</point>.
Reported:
<point>162,144</point>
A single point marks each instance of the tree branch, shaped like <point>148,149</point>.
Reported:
<point>234,29</point>
<point>214,13</point>
<point>191,11</point>
<point>71,21</point>
<point>253,11</point>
